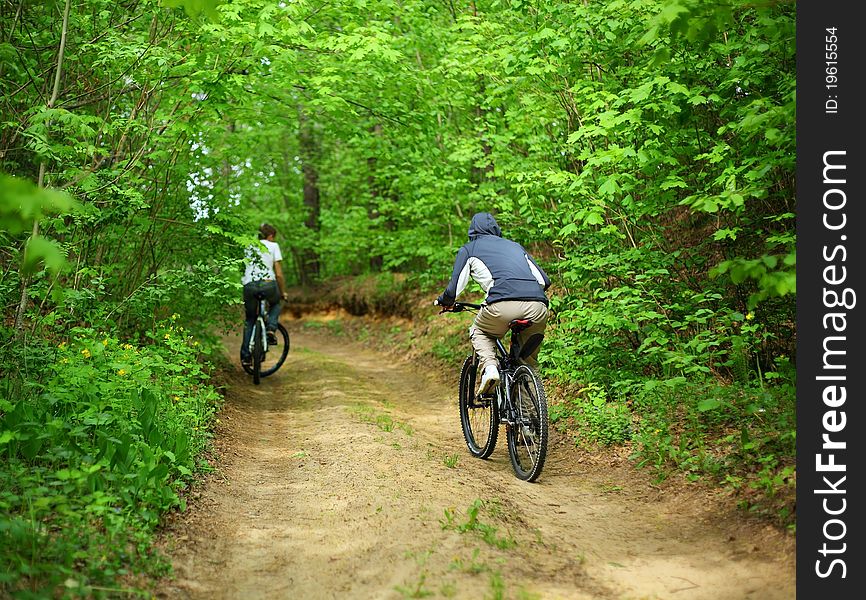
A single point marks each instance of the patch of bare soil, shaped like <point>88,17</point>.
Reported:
<point>345,475</point>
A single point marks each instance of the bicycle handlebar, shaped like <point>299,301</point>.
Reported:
<point>457,306</point>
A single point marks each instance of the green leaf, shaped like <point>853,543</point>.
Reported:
<point>708,404</point>
<point>661,56</point>
<point>195,8</point>
<point>22,203</point>
<point>593,218</point>
<point>40,250</point>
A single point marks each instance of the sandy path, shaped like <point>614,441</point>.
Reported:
<point>337,479</point>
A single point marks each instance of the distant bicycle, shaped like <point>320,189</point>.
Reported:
<point>518,402</point>
<point>267,357</point>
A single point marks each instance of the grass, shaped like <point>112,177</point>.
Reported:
<point>384,421</point>
<point>417,588</point>
<point>487,532</point>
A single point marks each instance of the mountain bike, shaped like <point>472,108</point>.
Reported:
<point>266,357</point>
<point>518,402</point>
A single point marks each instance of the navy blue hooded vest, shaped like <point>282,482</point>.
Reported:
<point>502,268</point>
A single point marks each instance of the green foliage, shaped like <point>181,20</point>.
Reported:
<point>771,280</point>
<point>593,417</point>
<point>194,8</point>
<point>21,205</point>
<point>99,438</point>
<point>744,436</point>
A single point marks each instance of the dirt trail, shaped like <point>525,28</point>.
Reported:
<point>337,479</point>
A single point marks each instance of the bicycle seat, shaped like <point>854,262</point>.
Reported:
<point>518,325</point>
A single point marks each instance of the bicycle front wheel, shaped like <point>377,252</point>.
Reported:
<point>527,436</point>
<point>277,353</point>
<point>478,414</point>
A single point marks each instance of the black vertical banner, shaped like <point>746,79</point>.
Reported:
<point>831,300</point>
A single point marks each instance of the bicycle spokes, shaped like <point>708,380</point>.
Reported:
<point>478,414</point>
<point>527,434</point>
<point>526,417</point>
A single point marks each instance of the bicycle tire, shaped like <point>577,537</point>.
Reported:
<point>479,417</point>
<point>527,437</point>
<point>258,350</point>
<point>276,355</point>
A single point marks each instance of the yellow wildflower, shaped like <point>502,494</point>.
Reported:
<point>121,372</point>
<point>127,346</point>
<point>176,398</point>
<point>166,336</point>
<point>62,345</point>
<point>749,316</point>
<point>105,342</point>
<point>86,353</point>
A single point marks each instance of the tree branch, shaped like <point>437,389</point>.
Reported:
<point>22,305</point>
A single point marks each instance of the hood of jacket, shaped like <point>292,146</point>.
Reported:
<point>483,224</point>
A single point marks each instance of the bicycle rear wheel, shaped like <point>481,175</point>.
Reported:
<point>277,353</point>
<point>527,437</point>
<point>258,350</point>
<point>478,415</point>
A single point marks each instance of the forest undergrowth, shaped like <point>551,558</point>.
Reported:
<point>101,436</point>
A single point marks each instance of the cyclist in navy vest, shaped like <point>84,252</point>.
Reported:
<point>515,287</point>
<point>263,273</point>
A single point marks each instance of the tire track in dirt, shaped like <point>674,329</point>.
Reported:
<point>337,476</point>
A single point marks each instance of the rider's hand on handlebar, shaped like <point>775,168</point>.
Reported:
<point>443,307</point>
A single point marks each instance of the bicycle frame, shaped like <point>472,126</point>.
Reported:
<point>503,390</point>
<point>263,309</point>
<point>266,357</point>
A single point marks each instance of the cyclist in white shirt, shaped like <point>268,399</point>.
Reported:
<point>263,274</point>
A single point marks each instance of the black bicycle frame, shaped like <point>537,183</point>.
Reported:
<point>263,310</point>
<point>506,362</point>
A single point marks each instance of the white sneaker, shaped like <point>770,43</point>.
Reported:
<point>489,380</point>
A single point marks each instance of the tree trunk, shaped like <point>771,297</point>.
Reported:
<point>376,260</point>
<point>310,150</point>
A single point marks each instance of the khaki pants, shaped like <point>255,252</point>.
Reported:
<point>492,320</point>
